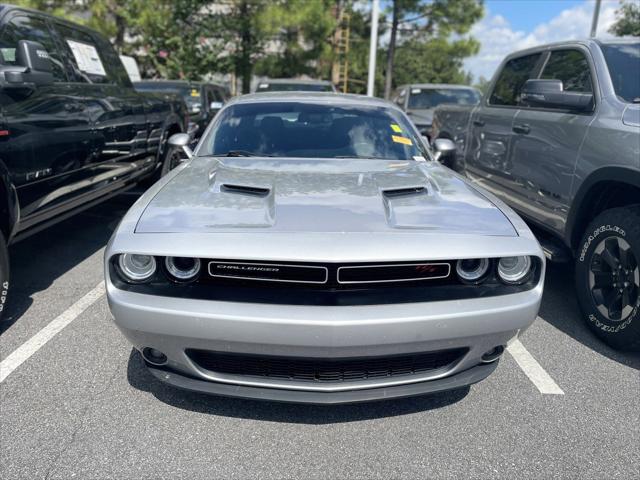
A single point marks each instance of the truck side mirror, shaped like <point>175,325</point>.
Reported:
<point>33,66</point>
<point>548,93</point>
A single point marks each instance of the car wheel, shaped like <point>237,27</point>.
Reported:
<point>4,274</point>
<point>608,277</point>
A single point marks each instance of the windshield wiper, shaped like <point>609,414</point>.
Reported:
<point>237,153</point>
<point>368,157</point>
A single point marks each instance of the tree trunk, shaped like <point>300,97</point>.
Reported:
<point>121,26</point>
<point>388,80</point>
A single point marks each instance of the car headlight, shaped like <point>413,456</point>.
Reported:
<point>182,268</point>
<point>514,270</point>
<point>472,269</point>
<point>137,268</point>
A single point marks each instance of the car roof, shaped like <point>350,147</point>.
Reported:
<point>176,83</point>
<point>295,81</point>
<point>328,98</point>
<point>439,85</point>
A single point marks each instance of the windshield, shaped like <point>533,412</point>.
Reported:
<point>623,60</point>
<point>190,94</point>
<point>425,98</point>
<point>294,87</point>
<point>308,130</point>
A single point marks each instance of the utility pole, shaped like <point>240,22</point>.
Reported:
<point>373,46</point>
<point>594,22</point>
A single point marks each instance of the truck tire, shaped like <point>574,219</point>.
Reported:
<point>4,274</point>
<point>608,277</point>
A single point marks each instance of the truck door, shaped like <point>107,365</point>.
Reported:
<point>546,143</point>
<point>117,113</point>
<point>488,158</point>
<point>47,146</point>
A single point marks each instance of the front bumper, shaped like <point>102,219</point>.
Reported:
<point>459,380</point>
<point>173,325</point>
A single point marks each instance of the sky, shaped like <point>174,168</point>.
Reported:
<point>511,25</point>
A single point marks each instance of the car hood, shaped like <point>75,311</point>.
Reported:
<point>319,195</point>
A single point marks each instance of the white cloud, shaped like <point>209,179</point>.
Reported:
<point>498,39</point>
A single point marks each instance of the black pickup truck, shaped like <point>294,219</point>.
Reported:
<point>73,131</point>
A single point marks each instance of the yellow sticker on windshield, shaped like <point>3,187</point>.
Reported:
<point>195,93</point>
<point>403,140</point>
<point>396,128</point>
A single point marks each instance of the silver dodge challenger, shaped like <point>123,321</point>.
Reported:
<point>312,250</point>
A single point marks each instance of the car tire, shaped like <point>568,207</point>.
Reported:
<point>4,274</point>
<point>608,277</point>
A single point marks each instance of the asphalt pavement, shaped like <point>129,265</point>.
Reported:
<point>82,404</point>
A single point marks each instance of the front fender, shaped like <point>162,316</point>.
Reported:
<point>172,120</point>
<point>627,175</point>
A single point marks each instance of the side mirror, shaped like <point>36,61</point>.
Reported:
<point>181,140</point>
<point>551,94</point>
<point>443,147</point>
<point>33,66</point>
<point>215,106</point>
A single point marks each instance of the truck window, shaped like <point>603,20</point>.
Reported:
<point>92,61</point>
<point>623,60</point>
<point>512,78</point>
<point>570,66</point>
<point>23,27</point>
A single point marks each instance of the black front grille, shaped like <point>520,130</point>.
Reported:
<point>323,370</point>
<point>406,272</point>
<point>268,272</point>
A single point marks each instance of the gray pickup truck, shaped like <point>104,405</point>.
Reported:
<point>557,137</point>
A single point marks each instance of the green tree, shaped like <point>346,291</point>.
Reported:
<point>59,8</point>
<point>436,60</point>
<point>242,27</point>
<point>627,20</point>
<point>302,29</point>
<point>421,21</point>
<point>482,84</point>
<point>174,38</point>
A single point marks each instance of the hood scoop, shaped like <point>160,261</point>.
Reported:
<point>245,190</point>
<point>404,192</point>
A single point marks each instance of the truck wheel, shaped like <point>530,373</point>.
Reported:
<point>608,277</point>
<point>4,274</point>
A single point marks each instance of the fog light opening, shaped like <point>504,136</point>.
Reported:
<point>153,356</point>
<point>493,354</point>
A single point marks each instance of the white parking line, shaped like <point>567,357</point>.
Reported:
<point>31,346</point>
<point>532,369</point>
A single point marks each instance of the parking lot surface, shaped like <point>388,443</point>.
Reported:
<point>77,402</point>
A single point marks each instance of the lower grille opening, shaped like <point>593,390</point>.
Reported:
<point>323,370</point>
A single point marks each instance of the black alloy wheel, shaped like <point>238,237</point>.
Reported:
<point>614,278</point>
<point>608,277</point>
